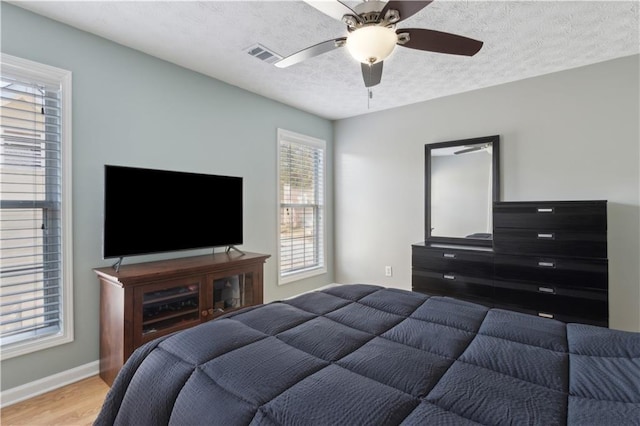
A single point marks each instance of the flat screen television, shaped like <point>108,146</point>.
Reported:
<point>152,211</point>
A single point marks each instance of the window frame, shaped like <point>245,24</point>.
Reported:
<point>30,70</point>
<point>289,277</point>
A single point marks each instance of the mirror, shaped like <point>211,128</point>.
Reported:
<point>461,184</point>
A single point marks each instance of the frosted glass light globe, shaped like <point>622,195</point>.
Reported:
<point>371,44</point>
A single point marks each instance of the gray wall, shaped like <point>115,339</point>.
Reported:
<point>566,136</point>
<point>133,109</point>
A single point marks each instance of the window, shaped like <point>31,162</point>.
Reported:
<point>301,171</point>
<point>35,207</point>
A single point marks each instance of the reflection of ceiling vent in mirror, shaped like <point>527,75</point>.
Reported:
<point>264,54</point>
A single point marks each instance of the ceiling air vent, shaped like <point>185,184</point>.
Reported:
<point>264,54</point>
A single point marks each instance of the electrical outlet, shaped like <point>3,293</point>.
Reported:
<point>388,271</point>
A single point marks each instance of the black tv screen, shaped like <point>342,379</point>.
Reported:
<point>152,211</point>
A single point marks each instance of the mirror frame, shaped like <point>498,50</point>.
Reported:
<point>495,164</point>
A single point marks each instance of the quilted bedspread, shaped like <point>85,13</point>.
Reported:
<point>368,355</point>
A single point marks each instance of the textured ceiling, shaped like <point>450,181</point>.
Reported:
<point>521,40</point>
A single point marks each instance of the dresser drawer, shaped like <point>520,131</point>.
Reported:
<point>450,284</point>
<point>551,290</point>
<point>567,309</point>
<point>567,215</point>
<point>545,242</point>
<point>551,275</point>
<point>461,262</point>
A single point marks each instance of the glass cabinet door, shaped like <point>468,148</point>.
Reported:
<point>167,307</point>
<point>231,292</point>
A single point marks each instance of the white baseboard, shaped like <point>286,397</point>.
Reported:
<point>46,384</point>
<point>324,287</point>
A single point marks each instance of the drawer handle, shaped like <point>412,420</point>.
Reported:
<point>449,255</point>
<point>545,209</point>
<point>543,315</point>
<point>548,236</point>
<point>549,290</point>
<point>544,264</point>
<point>449,277</point>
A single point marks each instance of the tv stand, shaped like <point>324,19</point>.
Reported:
<point>232,247</point>
<point>139,302</point>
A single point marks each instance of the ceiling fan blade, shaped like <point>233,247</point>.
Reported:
<point>436,41</point>
<point>372,74</point>
<point>473,148</point>
<point>466,150</point>
<point>310,52</point>
<point>405,8</point>
<point>333,8</point>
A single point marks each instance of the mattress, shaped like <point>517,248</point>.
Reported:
<point>369,355</point>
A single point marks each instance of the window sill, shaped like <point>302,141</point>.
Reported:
<point>24,347</point>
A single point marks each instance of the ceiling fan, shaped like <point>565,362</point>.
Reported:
<point>373,35</point>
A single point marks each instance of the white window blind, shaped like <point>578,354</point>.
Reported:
<point>32,286</point>
<point>301,193</point>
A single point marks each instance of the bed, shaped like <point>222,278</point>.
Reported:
<point>369,355</point>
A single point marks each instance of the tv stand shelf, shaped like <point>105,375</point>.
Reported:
<point>140,302</point>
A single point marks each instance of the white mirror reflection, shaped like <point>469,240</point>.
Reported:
<point>461,179</point>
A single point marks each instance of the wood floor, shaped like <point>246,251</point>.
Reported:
<point>74,404</point>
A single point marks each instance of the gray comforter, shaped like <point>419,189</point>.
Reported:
<point>366,355</point>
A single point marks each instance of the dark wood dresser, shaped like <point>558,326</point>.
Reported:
<point>548,258</point>
<point>143,301</point>
<point>464,272</point>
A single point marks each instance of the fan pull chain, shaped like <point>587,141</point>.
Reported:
<point>369,97</point>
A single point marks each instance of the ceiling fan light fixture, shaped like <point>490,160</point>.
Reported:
<point>371,44</point>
